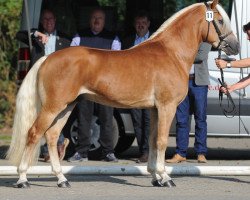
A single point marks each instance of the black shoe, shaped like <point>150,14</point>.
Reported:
<point>77,158</point>
<point>110,157</point>
<point>143,158</point>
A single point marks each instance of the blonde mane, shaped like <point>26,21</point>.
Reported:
<point>178,14</point>
<point>172,19</point>
<point>225,17</point>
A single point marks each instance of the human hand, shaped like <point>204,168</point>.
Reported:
<point>226,89</point>
<point>42,37</point>
<point>221,63</point>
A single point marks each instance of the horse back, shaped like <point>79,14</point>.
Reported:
<point>129,78</point>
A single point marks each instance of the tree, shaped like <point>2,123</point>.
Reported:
<point>9,24</point>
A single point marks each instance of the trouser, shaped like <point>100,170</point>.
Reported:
<point>141,123</point>
<point>105,116</point>
<point>194,103</point>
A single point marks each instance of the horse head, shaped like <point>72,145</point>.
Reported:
<point>218,29</point>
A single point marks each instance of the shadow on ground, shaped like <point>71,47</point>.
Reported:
<point>213,153</point>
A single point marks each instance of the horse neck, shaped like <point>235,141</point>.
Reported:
<point>183,36</point>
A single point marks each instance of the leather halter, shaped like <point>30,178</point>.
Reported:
<point>231,108</point>
<point>220,35</point>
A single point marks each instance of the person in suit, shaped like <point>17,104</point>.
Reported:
<point>194,103</point>
<point>140,117</point>
<point>96,36</point>
<point>45,42</point>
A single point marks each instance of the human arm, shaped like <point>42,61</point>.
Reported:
<point>23,36</point>
<point>116,44</point>
<point>42,37</point>
<point>202,53</point>
<point>221,64</point>
<point>237,86</point>
<point>75,41</point>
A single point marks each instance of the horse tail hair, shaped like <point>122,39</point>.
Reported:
<point>28,104</point>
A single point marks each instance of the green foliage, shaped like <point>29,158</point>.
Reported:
<point>119,4</point>
<point>9,25</point>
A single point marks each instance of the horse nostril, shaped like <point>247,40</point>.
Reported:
<point>226,45</point>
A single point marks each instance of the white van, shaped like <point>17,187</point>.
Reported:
<point>218,124</point>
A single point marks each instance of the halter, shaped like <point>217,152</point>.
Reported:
<point>221,36</point>
<point>231,109</point>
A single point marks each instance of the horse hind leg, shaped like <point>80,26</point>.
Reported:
<point>160,125</point>
<point>42,123</point>
<point>52,136</point>
<point>39,127</point>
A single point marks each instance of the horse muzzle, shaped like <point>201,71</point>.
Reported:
<point>230,45</point>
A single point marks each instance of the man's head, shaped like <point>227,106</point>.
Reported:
<point>246,29</point>
<point>97,20</point>
<point>141,23</point>
<point>48,21</point>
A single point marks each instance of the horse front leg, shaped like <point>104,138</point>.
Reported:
<point>161,119</point>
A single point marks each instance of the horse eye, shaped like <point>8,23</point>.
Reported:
<point>220,21</point>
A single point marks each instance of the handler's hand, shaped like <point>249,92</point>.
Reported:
<point>42,37</point>
<point>221,63</point>
<point>225,90</point>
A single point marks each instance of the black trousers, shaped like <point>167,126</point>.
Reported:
<point>141,122</point>
<point>105,115</point>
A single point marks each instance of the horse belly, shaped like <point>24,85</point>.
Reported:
<point>120,99</point>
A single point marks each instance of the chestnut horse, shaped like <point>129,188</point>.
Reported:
<point>151,75</point>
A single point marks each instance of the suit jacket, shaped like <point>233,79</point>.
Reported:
<point>200,65</point>
<point>38,50</point>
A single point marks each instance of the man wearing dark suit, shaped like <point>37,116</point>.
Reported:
<point>140,117</point>
<point>194,103</point>
<point>44,43</point>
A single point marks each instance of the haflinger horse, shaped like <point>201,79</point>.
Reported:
<point>151,75</point>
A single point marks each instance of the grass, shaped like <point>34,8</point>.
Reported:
<point>5,139</point>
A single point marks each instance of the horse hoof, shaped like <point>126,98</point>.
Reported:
<point>157,183</point>
<point>23,185</point>
<point>169,184</point>
<point>64,184</point>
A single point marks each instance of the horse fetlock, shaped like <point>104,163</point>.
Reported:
<point>61,178</point>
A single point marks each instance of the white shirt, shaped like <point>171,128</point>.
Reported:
<point>50,46</point>
<point>116,44</point>
<point>139,39</point>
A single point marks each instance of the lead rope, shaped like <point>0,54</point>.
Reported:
<point>230,111</point>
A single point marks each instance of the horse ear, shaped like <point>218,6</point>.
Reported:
<point>214,3</point>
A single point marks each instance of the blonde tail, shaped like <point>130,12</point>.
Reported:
<point>27,107</point>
